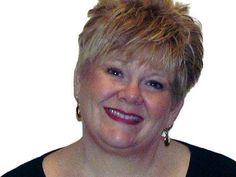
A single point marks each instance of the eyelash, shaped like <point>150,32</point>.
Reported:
<point>115,72</point>
<point>155,84</point>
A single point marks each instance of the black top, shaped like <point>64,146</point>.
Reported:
<point>203,163</point>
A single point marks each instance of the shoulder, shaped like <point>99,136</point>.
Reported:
<point>210,164</point>
<point>29,169</point>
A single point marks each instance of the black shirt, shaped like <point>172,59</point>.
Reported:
<point>203,163</point>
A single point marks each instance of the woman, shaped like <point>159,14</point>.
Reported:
<point>137,62</point>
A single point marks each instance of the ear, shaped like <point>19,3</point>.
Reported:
<point>175,112</point>
<point>76,82</point>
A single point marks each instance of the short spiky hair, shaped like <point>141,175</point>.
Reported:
<point>162,27</point>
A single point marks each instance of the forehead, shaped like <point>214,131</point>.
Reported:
<point>143,57</point>
<point>141,60</point>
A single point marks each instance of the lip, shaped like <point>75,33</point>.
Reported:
<point>123,120</point>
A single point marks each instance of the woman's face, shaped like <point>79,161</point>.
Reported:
<point>125,106</point>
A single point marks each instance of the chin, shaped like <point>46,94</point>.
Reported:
<point>118,140</point>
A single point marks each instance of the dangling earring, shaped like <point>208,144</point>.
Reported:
<point>78,115</point>
<point>166,135</point>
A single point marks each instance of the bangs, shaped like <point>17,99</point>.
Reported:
<point>134,27</point>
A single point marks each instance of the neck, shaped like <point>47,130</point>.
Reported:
<point>99,162</point>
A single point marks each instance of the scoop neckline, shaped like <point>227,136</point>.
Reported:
<point>183,143</point>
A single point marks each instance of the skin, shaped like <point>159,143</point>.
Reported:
<point>125,88</point>
<point>114,148</point>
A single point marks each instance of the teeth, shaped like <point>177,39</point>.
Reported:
<point>124,116</point>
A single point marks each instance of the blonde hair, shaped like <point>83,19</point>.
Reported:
<point>161,27</point>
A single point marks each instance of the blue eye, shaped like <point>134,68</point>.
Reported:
<point>115,72</point>
<point>155,84</point>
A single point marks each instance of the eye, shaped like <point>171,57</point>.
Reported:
<point>115,72</point>
<point>155,84</point>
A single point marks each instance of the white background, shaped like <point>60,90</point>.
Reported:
<point>38,52</point>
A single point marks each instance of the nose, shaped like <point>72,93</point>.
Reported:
<point>131,94</point>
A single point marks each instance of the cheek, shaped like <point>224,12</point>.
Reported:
<point>97,85</point>
<point>159,104</point>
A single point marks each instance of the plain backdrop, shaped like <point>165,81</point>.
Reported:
<point>38,53</point>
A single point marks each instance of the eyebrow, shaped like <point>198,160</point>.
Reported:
<point>153,70</point>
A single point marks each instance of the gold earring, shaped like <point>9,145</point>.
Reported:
<point>166,135</point>
<point>78,115</point>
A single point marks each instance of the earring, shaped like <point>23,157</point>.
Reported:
<point>78,115</point>
<point>166,135</point>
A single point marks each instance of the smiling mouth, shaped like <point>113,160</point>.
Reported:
<point>123,117</point>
